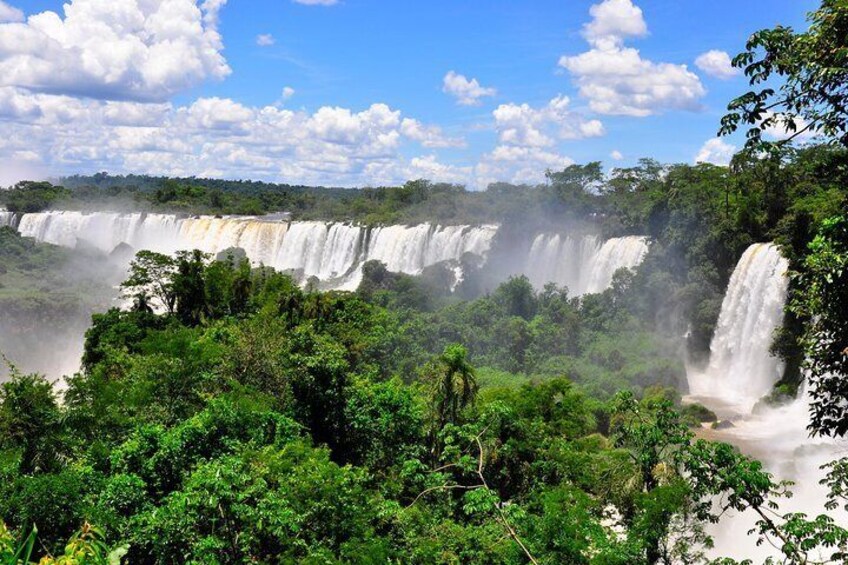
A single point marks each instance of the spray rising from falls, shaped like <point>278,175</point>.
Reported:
<point>741,369</point>
<point>584,264</point>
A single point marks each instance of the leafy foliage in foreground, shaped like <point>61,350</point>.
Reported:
<point>822,299</point>
<point>86,547</point>
<point>811,69</point>
<point>258,422</point>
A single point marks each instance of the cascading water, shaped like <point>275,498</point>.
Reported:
<point>7,218</point>
<point>335,252</point>
<point>332,252</point>
<point>741,369</point>
<point>615,254</point>
<point>583,264</point>
<point>408,249</point>
<point>326,251</point>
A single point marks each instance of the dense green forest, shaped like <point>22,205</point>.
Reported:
<point>255,421</point>
<point>230,416</point>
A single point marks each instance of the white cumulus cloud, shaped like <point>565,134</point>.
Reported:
<point>616,155</point>
<point>519,165</point>
<point>9,13</point>
<point>429,167</point>
<point>715,151</point>
<point>220,137</point>
<point>467,92</point>
<point>616,79</point>
<point>428,136</point>
<point>716,64</point>
<point>115,50</point>
<point>527,140</point>
<point>613,20</point>
<point>541,127</point>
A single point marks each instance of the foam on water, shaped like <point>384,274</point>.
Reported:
<point>741,368</point>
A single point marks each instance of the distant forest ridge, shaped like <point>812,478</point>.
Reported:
<point>754,193</point>
<point>151,183</point>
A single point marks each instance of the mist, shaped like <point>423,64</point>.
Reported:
<point>46,302</point>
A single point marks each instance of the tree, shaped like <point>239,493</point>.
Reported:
<point>813,68</point>
<point>189,287</point>
<point>517,297</point>
<point>656,441</point>
<point>151,276</point>
<point>454,386</point>
<point>821,298</point>
<point>29,196</point>
<point>29,418</point>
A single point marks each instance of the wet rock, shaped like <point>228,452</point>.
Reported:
<point>723,425</point>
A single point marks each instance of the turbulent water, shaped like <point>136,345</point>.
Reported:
<point>332,252</point>
<point>741,371</point>
<point>585,264</point>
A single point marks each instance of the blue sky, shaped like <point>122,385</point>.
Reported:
<point>197,87</point>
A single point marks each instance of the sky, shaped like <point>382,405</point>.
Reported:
<point>368,92</point>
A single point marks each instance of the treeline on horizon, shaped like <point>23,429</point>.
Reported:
<point>619,201</point>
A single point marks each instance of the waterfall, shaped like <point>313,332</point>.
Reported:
<point>335,252</point>
<point>583,264</point>
<point>740,372</point>
<point>103,230</point>
<point>7,218</point>
<point>741,369</point>
<point>319,249</point>
<point>408,249</point>
<point>332,252</point>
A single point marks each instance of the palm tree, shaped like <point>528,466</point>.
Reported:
<point>455,385</point>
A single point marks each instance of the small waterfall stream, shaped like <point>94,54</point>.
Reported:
<point>7,218</point>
